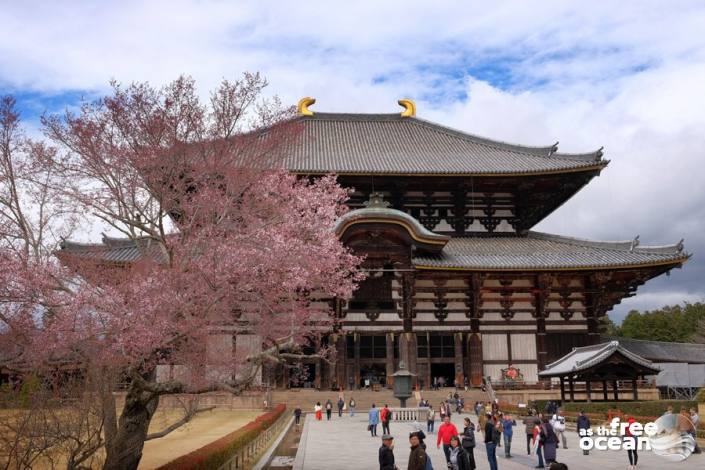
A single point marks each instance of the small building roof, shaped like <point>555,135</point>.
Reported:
<point>585,358</point>
<point>115,250</point>
<point>377,211</point>
<point>663,351</point>
<point>394,145</point>
<point>543,251</point>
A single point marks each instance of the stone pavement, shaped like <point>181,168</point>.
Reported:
<point>344,443</point>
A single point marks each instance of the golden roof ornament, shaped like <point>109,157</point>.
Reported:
<point>303,105</point>
<point>409,107</point>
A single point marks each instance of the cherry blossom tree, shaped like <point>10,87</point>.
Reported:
<point>231,246</point>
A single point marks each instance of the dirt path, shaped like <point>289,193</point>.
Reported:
<point>203,429</point>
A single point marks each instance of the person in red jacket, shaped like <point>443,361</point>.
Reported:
<point>445,432</point>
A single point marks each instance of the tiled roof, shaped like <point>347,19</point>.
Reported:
<point>391,144</point>
<point>580,359</point>
<point>116,250</point>
<point>662,351</point>
<point>538,251</point>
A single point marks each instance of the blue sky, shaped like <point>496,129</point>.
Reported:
<point>624,75</point>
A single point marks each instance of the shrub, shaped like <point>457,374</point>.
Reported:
<point>218,452</point>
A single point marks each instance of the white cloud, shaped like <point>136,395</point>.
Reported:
<point>626,75</point>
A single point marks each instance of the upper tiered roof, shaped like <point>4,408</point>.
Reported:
<point>401,144</point>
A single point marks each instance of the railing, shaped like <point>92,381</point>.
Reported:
<point>409,414</point>
<point>249,453</point>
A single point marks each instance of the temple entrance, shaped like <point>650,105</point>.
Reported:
<point>302,376</point>
<point>445,371</point>
<point>373,374</point>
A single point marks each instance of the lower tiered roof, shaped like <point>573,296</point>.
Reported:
<point>534,252</point>
<point>542,251</point>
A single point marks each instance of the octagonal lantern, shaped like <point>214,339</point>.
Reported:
<point>402,384</point>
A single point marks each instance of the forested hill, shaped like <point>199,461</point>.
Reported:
<point>680,323</point>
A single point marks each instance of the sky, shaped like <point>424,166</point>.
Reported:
<point>628,75</point>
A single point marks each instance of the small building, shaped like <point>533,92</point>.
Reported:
<point>682,365</point>
<point>605,364</point>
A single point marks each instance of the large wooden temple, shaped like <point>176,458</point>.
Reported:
<point>458,284</point>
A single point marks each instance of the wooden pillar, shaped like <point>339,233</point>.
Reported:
<point>389,362</point>
<point>356,339</point>
<point>543,284</point>
<point>572,388</point>
<point>588,391</point>
<point>604,390</point>
<point>341,370</point>
<point>476,370</point>
<point>475,353</point>
<point>615,389</point>
<point>458,343</point>
<point>562,390</point>
<point>318,368</point>
<point>635,392</point>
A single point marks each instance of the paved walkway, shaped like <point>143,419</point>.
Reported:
<point>344,443</point>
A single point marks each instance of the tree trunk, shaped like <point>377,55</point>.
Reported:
<point>125,452</point>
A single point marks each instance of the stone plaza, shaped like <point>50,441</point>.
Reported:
<point>344,443</point>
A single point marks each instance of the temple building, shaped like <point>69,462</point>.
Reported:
<point>459,285</point>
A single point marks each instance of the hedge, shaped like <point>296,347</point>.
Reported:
<point>640,408</point>
<point>218,452</point>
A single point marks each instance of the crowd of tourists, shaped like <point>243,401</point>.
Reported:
<point>545,432</point>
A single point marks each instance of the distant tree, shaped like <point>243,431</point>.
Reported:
<point>670,323</point>
<point>699,336</point>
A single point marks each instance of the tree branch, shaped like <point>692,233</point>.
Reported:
<point>187,417</point>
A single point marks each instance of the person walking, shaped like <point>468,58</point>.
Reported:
<point>373,420</point>
<point>537,442</point>
<point>385,415</point>
<point>317,409</point>
<point>583,424</point>
<point>468,442</point>
<point>695,419</point>
<point>417,456</point>
<point>558,423</point>
<point>529,431</point>
<point>442,411</point>
<point>458,457</point>
<point>351,405</point>
<point>631,452</point>
<point>508,424</point>
<point>445,432</point>
<point>386,453</point>
<point>329,409</point>
<point>498,419</point>
<point>297,415</point>
<point>430,420</point>
<point>449,409</point>
<point>490,444</point>
<point>549,441</point>
<point>341,405</point>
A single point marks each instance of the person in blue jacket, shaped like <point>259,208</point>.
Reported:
<point>508,424</point>
<point>373,420</point>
